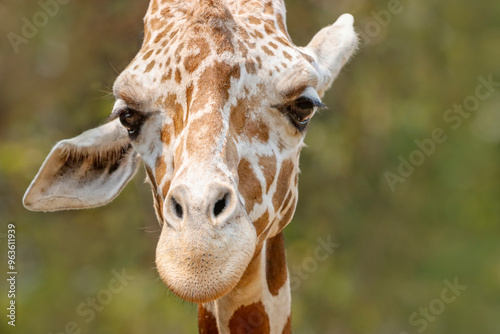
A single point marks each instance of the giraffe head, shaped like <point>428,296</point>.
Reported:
<point>216,105</point>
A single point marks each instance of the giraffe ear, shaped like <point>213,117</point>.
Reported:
<point>332,47</point>
<point>87,171</point>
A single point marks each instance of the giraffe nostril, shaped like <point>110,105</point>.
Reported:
<point>221,205</point>
<point>179,212</point>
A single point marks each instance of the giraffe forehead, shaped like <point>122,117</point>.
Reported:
<point>177,45</point>
<point>183,38</point>
<point>181,46</point>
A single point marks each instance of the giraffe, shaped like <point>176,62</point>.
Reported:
<point>215,105</point>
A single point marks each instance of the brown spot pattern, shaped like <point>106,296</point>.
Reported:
<point>283,41</point>
<point>250,319</point>
<point>261,223</point>
<point>287,199</point>
<point>207,324</point>
<point>214,84</point>
<point>257,130</point>
<point>287,55</point>
<point>267,51</point>
<point>192,62</point>
<point>286,218</point>
<point>250,67</point>
<point>281,24</point>
<point>283,183</point>
<point>276,271</point>
<point>269,27</point>
<point>252,272</point>
<point>269,7</point>
<point>253,20</point>
<point>161,168</point>
<point>288,326</point>
<point>249,185</point>
<point>178,77</point>
<point>238,117</point>
<point>150,66</point>
<point>165,189</point>
<point>158,201</point>
<point>268,166</point>
<point>166,77</point>
<point>230,153</point>
<point>189,95</point>
<point>177,114</point>
<point>147,55</point>
<point>165,134</point>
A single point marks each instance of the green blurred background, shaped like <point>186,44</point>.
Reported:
<point>396,246</point>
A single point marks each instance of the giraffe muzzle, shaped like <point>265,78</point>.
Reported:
<point>206,243</point>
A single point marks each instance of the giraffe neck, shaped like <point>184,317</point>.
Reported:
<point>261,301</point>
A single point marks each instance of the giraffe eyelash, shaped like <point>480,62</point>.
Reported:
<point>116,113</point>
<point>300,111</point>
<point>131,119</point>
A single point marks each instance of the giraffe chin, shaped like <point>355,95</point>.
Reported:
<point>204,263</point>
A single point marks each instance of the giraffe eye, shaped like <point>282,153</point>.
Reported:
<point>301,111</point>
<point>132,121</point>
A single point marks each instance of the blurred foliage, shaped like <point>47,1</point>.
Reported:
<point>396,248</point>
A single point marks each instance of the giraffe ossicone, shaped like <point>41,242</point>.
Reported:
<point>216,105</point>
